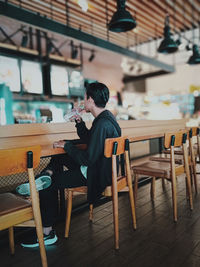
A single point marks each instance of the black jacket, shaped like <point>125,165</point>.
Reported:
<point>99,173</point>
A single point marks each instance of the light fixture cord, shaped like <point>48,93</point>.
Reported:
<point>51,10</point>
<point>199,26</point>
<point>67,13</point>
<point>156,32</point>
<point>174,16</point>
<point>127,40</point>
<point>192,7</point>
<point>121,4</point>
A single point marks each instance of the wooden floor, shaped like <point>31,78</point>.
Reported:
<point>158,241</point>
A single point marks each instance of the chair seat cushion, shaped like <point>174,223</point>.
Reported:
<point>177,151</point>
<point>153,168</point>
<point>163,158</point>
<point>10,203</point>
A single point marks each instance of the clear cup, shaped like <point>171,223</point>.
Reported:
<point>75,111</point>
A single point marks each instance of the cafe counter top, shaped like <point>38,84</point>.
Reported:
<point>45,134</point>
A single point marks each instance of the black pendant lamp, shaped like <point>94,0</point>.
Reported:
<point>195,58</point>
<point>168,45</point>
<point>122,20</point>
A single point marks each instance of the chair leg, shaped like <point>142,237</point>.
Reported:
<point>38,219</point>
<point>41,243</point>
<point>68,213</point>
<point>186,188</point>
<point>91,213</point>
<point>195,177</point>
<point>189,188</point>
<point>115,202</point>
<point>153,180</point>
<point>135,186</point>
<point>132,202</point>
<point>11,240</point>
<point>174,198</point>
<point>115,217</point>
<point>191,174</point>
<point>163,183</point>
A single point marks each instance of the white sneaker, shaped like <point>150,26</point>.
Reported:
<point>41,183</point>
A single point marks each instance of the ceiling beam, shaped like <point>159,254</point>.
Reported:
<point>36,20</point>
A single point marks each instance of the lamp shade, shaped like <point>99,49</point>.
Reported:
<point>195,58</point>
<point>122,20</point>
<point>168,45</point>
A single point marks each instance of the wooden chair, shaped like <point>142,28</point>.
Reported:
<point>113,148</point>
<point>13,209</point>
<point>167,170</point>
<point>198,143</point>
<point>193,154</point>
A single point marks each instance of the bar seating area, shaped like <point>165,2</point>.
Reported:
<point>99,133</point>
<point>162,242</point>
<point>155,229</point>
<point>167,169</point>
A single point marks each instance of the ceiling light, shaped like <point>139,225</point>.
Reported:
<point>131,68</point>
<point>178,42</point>
<point>195,58</point>
<point>188,46</point>
<point>122,20</point>
<point>49,47</point>
<point>24,40</point>
<point>92,56</point>
<point>168,45</point>
<point>74,51</point>
<point>139,70</point>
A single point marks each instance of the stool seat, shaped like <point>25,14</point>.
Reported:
<point>11,203</point>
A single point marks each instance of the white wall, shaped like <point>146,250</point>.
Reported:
<point>105,68</point>
<point>176,83</point>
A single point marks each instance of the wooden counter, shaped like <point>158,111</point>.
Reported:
<point>19,135</point>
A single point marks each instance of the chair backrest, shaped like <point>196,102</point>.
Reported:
<point>194,131</point>
<point>112,149</point>
<point>175,138</point>
<point>115,146</point>
<point>15,160</point>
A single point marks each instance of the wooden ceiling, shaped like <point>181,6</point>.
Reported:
<point>149,14</point>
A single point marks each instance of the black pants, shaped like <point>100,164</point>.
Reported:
<point>60,179</point>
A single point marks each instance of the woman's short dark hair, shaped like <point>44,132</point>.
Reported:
<point>98,92</point>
